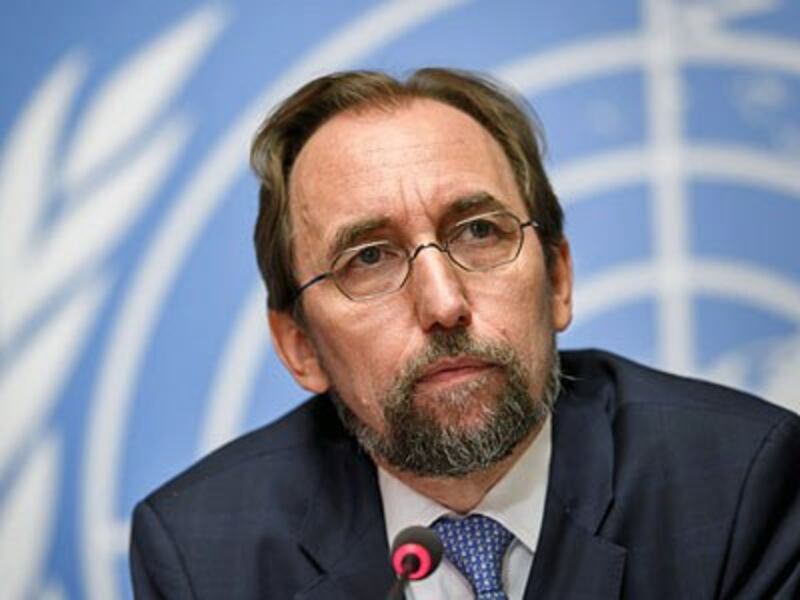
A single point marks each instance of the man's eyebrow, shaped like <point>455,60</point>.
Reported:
<point>472,204</point>
<point>350,234</point>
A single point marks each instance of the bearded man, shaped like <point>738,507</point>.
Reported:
<point>417,275</point>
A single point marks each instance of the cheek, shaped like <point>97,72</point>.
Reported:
<point>362,353</point>
<point>516,311</point>
<point>361,347</point>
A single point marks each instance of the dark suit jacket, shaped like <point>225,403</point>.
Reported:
<point>660,487</point>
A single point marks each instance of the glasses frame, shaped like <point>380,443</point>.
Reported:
<point>444,248</point>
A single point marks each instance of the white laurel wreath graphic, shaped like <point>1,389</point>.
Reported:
<point>64,205</point>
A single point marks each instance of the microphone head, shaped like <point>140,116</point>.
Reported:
<point>416,552</point>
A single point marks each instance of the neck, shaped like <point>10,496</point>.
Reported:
<point>462,494</point>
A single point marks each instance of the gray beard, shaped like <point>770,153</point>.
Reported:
<point>415,441</point>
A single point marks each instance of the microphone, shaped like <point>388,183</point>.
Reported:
<point>416,552</point>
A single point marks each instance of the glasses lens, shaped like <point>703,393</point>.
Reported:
<point>485,241</point>
<point>480,243</point>
<point>370,269</point>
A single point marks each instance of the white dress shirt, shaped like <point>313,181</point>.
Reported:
<point>516,501</point>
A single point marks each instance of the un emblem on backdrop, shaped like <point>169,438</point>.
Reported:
<point>674,134</point>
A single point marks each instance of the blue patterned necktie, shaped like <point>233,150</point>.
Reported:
<point>476,546</point>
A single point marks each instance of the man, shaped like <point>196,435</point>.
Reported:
<point>417,273</point>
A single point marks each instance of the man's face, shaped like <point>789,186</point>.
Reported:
<point>450,346</point>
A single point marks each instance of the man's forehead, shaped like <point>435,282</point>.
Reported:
<point>366,158</point>
<point>356,154</point>
<point>374,146</point>
<point>382,165</point>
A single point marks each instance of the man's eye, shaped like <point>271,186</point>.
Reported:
<point>369,256</point>
<point>479,230</point>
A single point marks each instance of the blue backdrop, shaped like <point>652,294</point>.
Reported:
<point>132,331</point>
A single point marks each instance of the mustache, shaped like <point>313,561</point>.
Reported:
<point>451,344</point>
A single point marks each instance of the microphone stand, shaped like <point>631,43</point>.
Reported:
<point>397,591</point>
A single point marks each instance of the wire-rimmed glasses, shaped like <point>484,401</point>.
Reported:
<point>479,243</point>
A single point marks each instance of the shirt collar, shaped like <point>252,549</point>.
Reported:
<point>516,501</point>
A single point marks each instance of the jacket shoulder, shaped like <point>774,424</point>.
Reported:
<point>230,526</point>
<point>639,387</point>
<point>702,475</point>
<point>299,437</point>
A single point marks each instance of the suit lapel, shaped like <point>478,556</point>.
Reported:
<point>344,532</point>
<point>571,561</point>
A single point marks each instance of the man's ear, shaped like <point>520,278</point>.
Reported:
<point>297,352</point>
<point>561,286</point>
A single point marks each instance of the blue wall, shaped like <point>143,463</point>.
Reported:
<point>132,329</point>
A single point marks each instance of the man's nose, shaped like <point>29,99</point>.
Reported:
<point>438,288</point>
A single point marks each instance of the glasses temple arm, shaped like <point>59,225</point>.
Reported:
<point>311,282</point>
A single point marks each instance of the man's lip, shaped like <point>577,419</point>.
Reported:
<point>444,365</point>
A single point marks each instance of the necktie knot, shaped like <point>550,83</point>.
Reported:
<point>476,546</point>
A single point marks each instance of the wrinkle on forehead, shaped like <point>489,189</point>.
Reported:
<point>373,167</point>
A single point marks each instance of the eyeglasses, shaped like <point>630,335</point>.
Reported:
<point>477,244</point>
